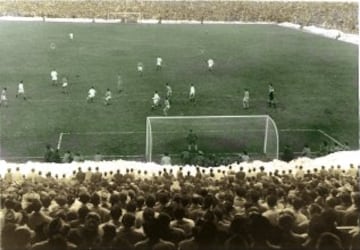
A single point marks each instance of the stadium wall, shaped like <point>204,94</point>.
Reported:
<point>332,15</point>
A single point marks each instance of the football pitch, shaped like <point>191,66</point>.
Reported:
<point>315,81</point>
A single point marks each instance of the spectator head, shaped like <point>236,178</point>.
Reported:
<point>329,217</point>
<point>128,220</point>
<point>259,227</point>
<point>148,214</point>
<point>140,200</point>
<point>271,201</point>
<point>179,212</point>
<point>208,201</point>
<point>58,242</point>
<point>316,227</point>
<point>254,196</point>
<point>163,198</point>
<point>164,220</point>
<point>356,199</point>
<point>9,204</point>
<point>314,209</point>
<point>115,212</point>
<point>329,241</point>
<point>36,205</point>
<point>123,197</point>
<point>114,199</point>
<point>298,203</point>
<point>92,221</point>
<point>109,232</point>
<point>84,197</point>
<point>239,225</point>
<point>83,212</point>
<point>206,233</point>
<point>95,199</point>
<point>150,201</point>
<point>46,201</point>
<point>23,237</point>
<point>345,198</point>
<point>286,222</point>
<point>240,191</point>
<point>151,229</point>
<point>131,207</point>
<point>56,226</point>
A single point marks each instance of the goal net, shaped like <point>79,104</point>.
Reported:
<point>223,135</point>
<point>125,17</point>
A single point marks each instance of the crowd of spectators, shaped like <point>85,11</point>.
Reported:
<point>210,209</point>
<point>335,15</point>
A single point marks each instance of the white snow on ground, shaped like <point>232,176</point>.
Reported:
<point>330,33</point>
<point>343,159</point>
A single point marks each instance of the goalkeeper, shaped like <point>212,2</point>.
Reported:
<point>192,141</point>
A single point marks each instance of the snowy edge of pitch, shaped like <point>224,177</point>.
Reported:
<point>329,33</point>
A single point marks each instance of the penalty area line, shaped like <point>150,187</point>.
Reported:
<point>330,137</point>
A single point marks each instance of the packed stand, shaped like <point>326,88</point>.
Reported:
<point>334,15</point>
<point>211,209</point>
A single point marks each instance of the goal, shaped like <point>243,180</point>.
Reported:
<point>125,17</point>
<point>221,135</point>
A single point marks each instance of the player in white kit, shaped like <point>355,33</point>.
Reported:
<point>21,91</point>
<point>159,63</point>
<point>65,85</point>
<point>3,98</point>
<point>140,68</point>
<point>211,64</point>
<point>167,106</point>
<point>246,99</point>
<point>54,77</point>
<point>91,95</point>
<point>192,93</point>
<point>156,100</point>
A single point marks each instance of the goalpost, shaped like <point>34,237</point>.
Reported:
<point>125,17</point>
<point>257,134</point>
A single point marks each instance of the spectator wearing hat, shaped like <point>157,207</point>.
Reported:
<point>150,202</point>
<point>86,236</point>
<point>289,239</point>
<point>153,240</point>
<point>205,236</point>
<point>101,211</point>
<point>329,241</point>
<point>127,231</point>
<point>57,231</point>
<point>8,177</point>
<point>351,215</point>
<point>109,233</point>
<point>10,215</point>
<point>181,221</point>
<point>172,234</point>
<point>272,214</point>
<point>23,238</point>
<point>29,195</point>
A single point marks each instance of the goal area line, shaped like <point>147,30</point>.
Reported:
<point>100,133</point>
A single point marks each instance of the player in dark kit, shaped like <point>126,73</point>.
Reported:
<point>192,141</point>
<point>271,100</point>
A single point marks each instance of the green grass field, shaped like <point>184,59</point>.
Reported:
<point>315,79</point>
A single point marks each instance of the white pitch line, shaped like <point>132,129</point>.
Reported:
<point>298,130</point>
<point>60,140</point>
<point>105,133</point>
<point>331,138</point>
